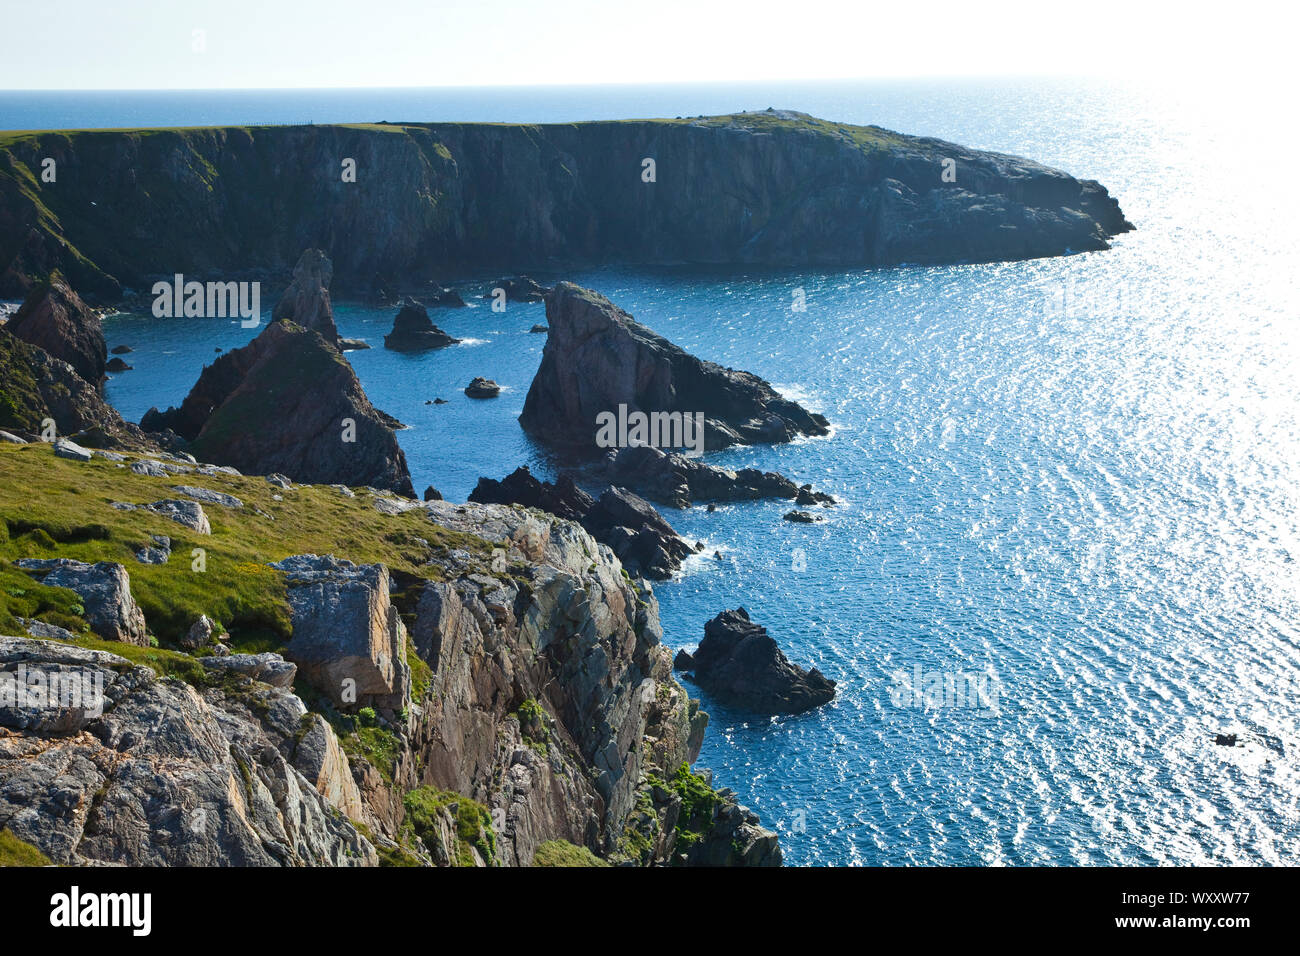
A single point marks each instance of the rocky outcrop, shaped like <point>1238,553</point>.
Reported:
<point>645,543</point>
<point>775,188</point>
<point>349,641</point>
<point>54,318</point>
<point>740,663</point>
<point>599,361</point>
<point>105,592</point>
<point>413,331</point>
<point>306,301</point>
<point>324,429</point>
<point>151,772</point>
<point>480,387</point>
<point>519,289</point>
<point>35,387</point>
<point>678,481</point>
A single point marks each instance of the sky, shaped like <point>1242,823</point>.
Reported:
<point>224,44</point>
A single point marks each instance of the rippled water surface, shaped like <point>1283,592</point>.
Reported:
<point>1076,478</point>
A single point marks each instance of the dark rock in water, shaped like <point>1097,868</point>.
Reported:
<point>802,517</point>
<point>314,393</point>
<point>645,543</point>
<point>482,388</point>
<point>432,494</point>
<point>598,358</point>
<point>442,297</point>
<point>414,332</point>
<point>37,386</point>
<point>740,663</point>
<point>440,401</point>
<point>54,318</point>
<point>640,537</point>
<point>674,479</point>
<point>121,349</point>
<point>711,508</point>
<point>683,661</point>
<point>307,300</point>
<point>539,329</point>
<point>519,289</point>
<point>563,499</point>
<point>1225,740</point>
<point>117,365</point>
<point>352,345</point>
<point>807,497</point>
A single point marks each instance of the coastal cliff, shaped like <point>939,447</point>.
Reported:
<point>513,702</point>
<point>776,188</point>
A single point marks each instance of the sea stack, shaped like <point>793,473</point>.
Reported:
<point>54,318</point>
<point>413,331</point>
<point>599,361</point>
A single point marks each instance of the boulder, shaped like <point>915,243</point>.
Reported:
<point>740,663</point>
<point>117,365</point>
<point>200,634</point>
<point>598,358</point>
<point>349,641</point>
<point>121,350</point>
<point>159,552</point>
<point>12,439</point>
<point>563,499</point>
<point>105,592</point>
<point>432,494</point>
<point>54,318</point>
<point>268,668</point>
<point>539,330</point>
<point>66,448</point>
<point>208,496</point>
<point>481,387</point>
<point>306,302</point>
<point>413,331</point>
<point>802,517</point>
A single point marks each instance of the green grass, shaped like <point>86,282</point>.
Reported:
<point>52,507</point>
<point>563,853</point>
<point>14,852</point>
<point>473,823</point>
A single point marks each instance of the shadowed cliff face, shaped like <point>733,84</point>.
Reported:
<point>777,189</point>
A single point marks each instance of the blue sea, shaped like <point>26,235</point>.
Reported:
<point>1071,483</point>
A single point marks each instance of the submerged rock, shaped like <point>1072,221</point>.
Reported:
<point>740,663</point>
<point>598,360</point>
<point>413,331</point>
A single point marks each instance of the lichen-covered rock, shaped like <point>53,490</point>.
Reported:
<point>598,360</point>
<point>105,592</point>
<point>163,775</point>
<point>349,641</point>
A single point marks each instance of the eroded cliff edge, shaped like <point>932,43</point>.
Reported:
<point>777,188</point>
<point>510,694</point>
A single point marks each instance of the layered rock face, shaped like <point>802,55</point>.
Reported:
<point>306,301</point>
<point>598,358</point>
<point>54,318</point>
<point>348,639</point>
<point>742,664</point>
<point>289,403</point>
<point>152,772</point>
<point>778,188</point>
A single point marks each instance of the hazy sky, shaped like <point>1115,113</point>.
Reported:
<point>122,44</point>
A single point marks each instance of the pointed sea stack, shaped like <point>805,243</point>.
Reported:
<point>307,300</point>
<point>54,318</point>
<point>597,357</point>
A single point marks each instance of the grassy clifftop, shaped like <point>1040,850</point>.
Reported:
<point>430,201</point>
<point>52,507</point>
